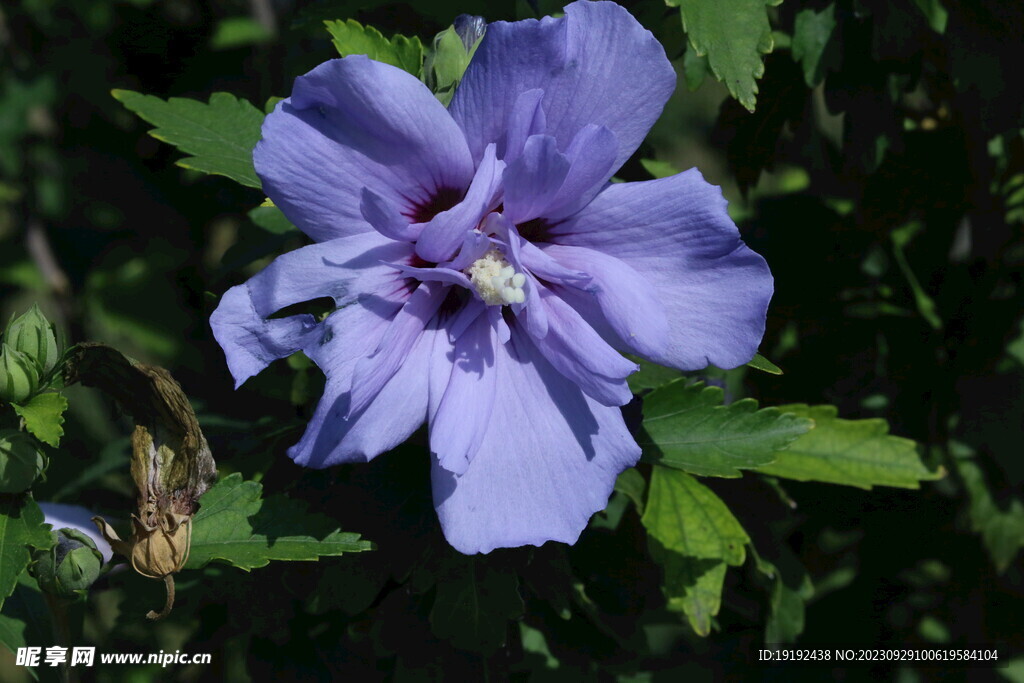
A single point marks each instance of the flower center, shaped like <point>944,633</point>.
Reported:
<point>495,280</point>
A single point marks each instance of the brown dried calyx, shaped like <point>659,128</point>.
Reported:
<point>171,462</point>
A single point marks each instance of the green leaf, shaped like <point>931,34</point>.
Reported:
<point>858,453</point>
<point>21,527</point>
<point>787,605</point>
<point>12,632</point>
<point>695,68</point>
<point>632,484</point>
<point>1001,527</point>
<point>693,536</point>
<point>686,427</point>
<point>237,526</point>
<point>474,603</point>
<point>659,169</point>
<point>650,376</point>
<point>219,135</point>
<point>926,305</point>
<point>352,38</point>
<point>446,63</point>
<point>44,416</point>
<point>271,219</point>
<point>733,34</point>
<point>350,585</point>
<point>761,363</point>
<point>811,34</point>
<point>935,13</point>
<point>26,620</point>
<point>234,32</point>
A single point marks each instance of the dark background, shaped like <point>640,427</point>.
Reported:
<point>888,200</point>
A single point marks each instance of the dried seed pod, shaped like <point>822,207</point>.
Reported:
<point>171,462</point>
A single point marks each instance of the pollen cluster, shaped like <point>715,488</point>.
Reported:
<point>495,280</point>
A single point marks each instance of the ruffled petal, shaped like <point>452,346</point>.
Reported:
<point>578,352</point>
<point>352,123</point>
<point>547,462</point>
<point>593,151</point>
<point>550,270</point>
<point>343,269</point>
<point>445,232</point>
<point>372,373</point>
<point>545,183</point>
<point>250,342</point>
<point>596,65</point>
<point>446,275</point>
<point>533,181</point>
<point>332,437</point>
<point>525,119</point>
<point>458,426</point>
<point>615,294</point>
<point>677,234</point>
<point>386,218</point>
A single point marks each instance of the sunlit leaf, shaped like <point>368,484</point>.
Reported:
<point>44,416</point>
<point>761,363</point>
<point>220,135</point>
<point>693,536</point>
<point>352,38</point>
<point>236,525</point>
<point>446,63</point>
<point>858,453</point>
<point>687,427</point>
<point>733,34</point>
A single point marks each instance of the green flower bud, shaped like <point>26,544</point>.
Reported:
<point>20,461</point>
<point>19,376</point>
<point>70,566</point>
<point>32,334</point>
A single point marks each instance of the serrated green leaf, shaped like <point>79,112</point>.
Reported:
<point>237,526</point>
<point>858,453</point>
<point>474,603</point>
<point>1001,526</point>
<point>220,135</point>
<point>21,527</point>
<point>733,34</point>
<point>811,34</point>
<point>687,428</point>
<point>352,38</point>
<point>44,416</point>
<point>693,537</point>
<point>759,362</point>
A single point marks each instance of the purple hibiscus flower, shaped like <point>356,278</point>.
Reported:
<point>487,273</point>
